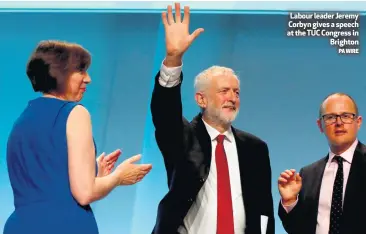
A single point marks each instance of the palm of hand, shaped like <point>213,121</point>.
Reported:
<point>290,189</point>
<point>177,39</point>
<point>103,169</point>
<point>177,36</point>
<point>130,173</point>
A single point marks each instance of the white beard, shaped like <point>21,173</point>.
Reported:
<point>217,115</point>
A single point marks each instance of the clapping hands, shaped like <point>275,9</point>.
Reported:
<point>127,172</point>
<point>106,163</point>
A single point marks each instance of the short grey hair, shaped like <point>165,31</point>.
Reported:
<point>203,79</point>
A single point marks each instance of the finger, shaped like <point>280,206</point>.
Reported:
<point>145,167</point>
<point>186,15</point>
<point>142,173</point>
<point>114,155</point>
<point>285,175</point>
<point>290,173</point>
<point>101,157</point>
<point>133,159</point>
<point>111,160</point>
<point>282,180</point>
<point>170,15</point>
<point>298,177</point>
<point>195,34</point>
<point>177,13</point>
<point>117,153</point>
<point>163,19</point>
<point>141,176</point>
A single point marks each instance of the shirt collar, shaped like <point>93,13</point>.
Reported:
<point>346,155</point>
<point>213,133</point>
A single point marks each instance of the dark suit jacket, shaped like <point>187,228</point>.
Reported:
<point>303,218</point>
<point>186,148</point>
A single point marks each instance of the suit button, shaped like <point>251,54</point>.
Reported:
<point>202,180</point>
<point>190,199</point>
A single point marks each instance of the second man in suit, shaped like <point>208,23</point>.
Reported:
<point>219,177</point>
<point>328,196</point>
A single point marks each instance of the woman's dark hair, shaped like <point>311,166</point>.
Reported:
<point>52,62</point>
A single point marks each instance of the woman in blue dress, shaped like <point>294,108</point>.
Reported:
<point>51,155</point>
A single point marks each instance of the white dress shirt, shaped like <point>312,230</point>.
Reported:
<point>202,216</point>
<point>326,189</point>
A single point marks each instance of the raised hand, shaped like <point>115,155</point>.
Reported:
<point>129,173</point>
<point>106,163</point>
<point>289,186</point>
<point>177,36</point>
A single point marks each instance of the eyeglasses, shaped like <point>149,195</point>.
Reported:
<point>346,118</point>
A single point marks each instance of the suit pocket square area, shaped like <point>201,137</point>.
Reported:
<point>264,222</point>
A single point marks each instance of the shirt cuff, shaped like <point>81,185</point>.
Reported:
<point>288,208</point>
<point>170,76</point>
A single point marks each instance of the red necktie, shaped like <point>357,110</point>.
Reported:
<point>225,220</point>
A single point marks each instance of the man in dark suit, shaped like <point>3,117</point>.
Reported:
<point>328,196</point>
<point>219,177</point>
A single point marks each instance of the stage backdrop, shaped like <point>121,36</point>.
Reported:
<point>283,82</point>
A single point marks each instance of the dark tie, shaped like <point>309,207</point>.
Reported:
<point>225,220</point>
<point>336,209</point>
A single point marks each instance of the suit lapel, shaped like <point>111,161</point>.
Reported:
<point>356,180</point>
<point>247,184</point>
<point>204,145</point>
<point>244,161</point>
<point>316,184</point>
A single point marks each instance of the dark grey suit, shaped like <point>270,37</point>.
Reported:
<point>303,218</point>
